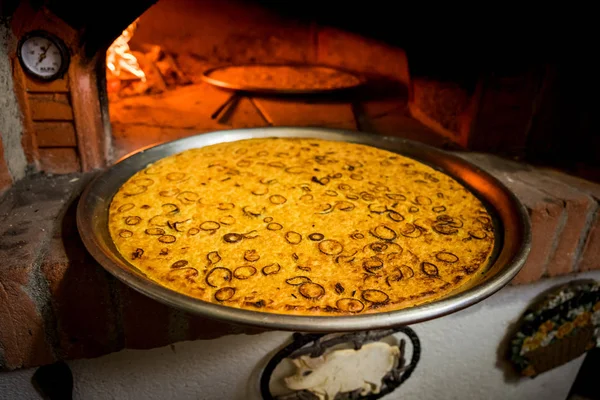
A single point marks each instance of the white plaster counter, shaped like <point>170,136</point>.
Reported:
<point>459,361</point>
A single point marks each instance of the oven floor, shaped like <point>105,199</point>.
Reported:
<point>146,120</point>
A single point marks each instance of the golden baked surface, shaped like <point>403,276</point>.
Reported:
<point>301,226</point>
<point>283,77</point>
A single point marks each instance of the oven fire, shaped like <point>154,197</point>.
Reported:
<point>131,72</point>
<point>120,61</point>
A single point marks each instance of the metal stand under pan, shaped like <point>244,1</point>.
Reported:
<point>347,93</point>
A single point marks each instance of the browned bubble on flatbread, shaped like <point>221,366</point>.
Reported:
<point>301,226</point>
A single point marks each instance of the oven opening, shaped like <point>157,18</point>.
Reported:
<point>454,93</point>
<point>306,75</point>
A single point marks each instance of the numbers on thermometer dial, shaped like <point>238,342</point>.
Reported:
<point>42,56</point>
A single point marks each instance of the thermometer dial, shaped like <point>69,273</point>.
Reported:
<point>43,56</point>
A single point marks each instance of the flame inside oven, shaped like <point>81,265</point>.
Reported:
<point>120,61</point>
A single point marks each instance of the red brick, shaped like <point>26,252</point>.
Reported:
<point>589,257</point>
<point>55,134</point>
<point>441,106</point>
<point>22,333</point>
<point>399,124</point>
<point>23,329</point>
<point>5,177</point>
<point>50,107</point>
<point>545,213</point>
<point>55,86</point>
<point>504,112</point>
<point>59,160</point>
<point>305,114</point>
<point>579,208</point>
<point>80,295</point>
<point>145,321</point>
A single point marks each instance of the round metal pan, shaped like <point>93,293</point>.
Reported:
<point>258,90</point>
<point>512,228</point>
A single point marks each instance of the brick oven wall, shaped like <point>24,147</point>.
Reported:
<point>12,158</point>
<point>63,125</point>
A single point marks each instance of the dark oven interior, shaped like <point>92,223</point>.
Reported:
<point>427,79</point>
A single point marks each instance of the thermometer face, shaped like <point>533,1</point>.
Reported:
<point>43,56</point>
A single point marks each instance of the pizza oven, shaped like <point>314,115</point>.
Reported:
<point>84,85</point>
<point>131,76</point>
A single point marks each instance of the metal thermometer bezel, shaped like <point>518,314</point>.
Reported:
<point>60,45</point>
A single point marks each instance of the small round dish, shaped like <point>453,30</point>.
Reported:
<point>511,226</point>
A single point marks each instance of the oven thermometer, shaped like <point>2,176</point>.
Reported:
<point>43,56</point>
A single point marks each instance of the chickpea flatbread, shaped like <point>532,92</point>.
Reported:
<point>301,226</point>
